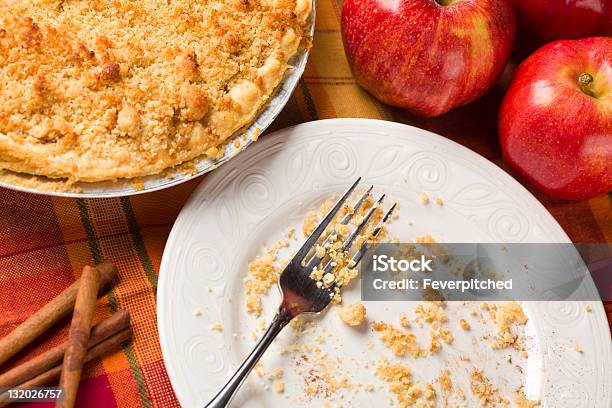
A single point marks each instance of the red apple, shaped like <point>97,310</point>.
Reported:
<point>427,56</point>
<point>541,21</point>
<point>555,122</point>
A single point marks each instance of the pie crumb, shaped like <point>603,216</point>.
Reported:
<point>404,321</point>
<point>397,340</point>
<point>487,393</point>
<point>138,184</point>
<point>279,386</point>
<point>253,304</point>
<point>446,384</point>
<point>399,378</point>
<point>263,274</point>
<point>439,201</point>
<point>197,311</point>
<point>505,316</point>
<point>424,198</point>
<point>291,234</point>
<point>588,308</point>
<point>522,401</point>
<point>256,134</point>
<point>259,370</point>
<point>353,315</point>
<point>310,223</point>
<point>217,327</point>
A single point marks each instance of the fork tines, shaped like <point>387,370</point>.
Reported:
<point>314,261</point>
<point>349,241</point>
<point>316,234</point>
<point>379,227</point>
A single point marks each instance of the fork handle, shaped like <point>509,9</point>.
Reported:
<point>223,398</point>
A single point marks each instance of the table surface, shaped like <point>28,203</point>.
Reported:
<point>45,242</point>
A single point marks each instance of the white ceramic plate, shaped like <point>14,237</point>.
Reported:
<point>254,199</point>
<point>172,177</point>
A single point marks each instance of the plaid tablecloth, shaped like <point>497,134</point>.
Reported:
<point>45,242</point>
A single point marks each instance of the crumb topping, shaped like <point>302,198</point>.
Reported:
<point>263,274</point>
<point>431,311</point>
<point>98,90</point>
<point>504,317</point>
<point>424,198</point>
<point>445,381</point>
<point>522,401</point>
<point>353,315</point>
<point>399,379</point>
<point>400,342</point>
<point>279,386</point>
<point>487,394</point>
<point>310,223</point>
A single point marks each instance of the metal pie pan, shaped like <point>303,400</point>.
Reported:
<point>172,177</point>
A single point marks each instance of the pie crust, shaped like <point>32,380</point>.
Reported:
<point>105,89</point>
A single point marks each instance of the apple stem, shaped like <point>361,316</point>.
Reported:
<point>585,80</point>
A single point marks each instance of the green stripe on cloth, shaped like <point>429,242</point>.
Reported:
<point>137,374</point>
<point>97,257</point>
<point>312,110</point>
<point>143,255</point>
<point>96,254</point>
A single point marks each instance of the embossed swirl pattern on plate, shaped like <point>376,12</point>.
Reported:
<point>572,394</point>
<point>256,193</point>
<point>564,313</point>
<point>202,357</point>
<point>427,171</point>
<point>338,159</point>
<point>204,265</point>
<point>508,224</point>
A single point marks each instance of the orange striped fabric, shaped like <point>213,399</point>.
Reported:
<point>45,242</point>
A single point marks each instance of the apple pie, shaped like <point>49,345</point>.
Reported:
<point>103,89</point>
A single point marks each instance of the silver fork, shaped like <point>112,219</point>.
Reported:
<point>300,292</point>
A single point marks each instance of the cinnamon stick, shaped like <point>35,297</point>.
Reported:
<point>49,377</point>
<point>78,336</point>
<point>49,359</point>
<point>47,316</point>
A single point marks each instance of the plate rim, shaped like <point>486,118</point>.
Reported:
<point>214,179</point>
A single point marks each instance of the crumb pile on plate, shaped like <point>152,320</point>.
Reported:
<point>100,90</point>
<point>323,376</point>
